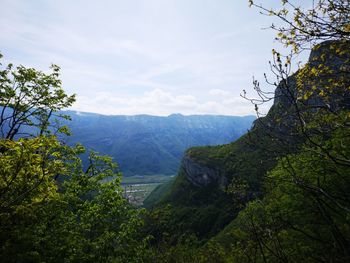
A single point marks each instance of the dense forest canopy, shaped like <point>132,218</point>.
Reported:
<point>303,215</point>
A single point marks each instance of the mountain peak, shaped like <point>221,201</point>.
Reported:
<point>176,115</point>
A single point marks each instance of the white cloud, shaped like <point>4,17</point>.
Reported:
<point>219,92</point>
<point>132,57</point>
<point>163,103</point>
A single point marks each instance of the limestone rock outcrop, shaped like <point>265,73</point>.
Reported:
<point>198,174</point>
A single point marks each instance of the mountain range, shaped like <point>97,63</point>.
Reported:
<point>146,145</point>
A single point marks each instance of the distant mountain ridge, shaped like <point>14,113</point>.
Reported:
<point>145,144</point>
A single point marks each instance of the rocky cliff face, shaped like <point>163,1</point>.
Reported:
<point>198,174</point>
<point>332,59</point>
<point>329,60</point>
<point>197,197</point>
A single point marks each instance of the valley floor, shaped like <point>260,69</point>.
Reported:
<point>137,188</point>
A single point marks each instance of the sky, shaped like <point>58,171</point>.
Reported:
<point>158,57</point>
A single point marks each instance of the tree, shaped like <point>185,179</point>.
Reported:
<point>52,209</point>
<point>318,90</point>
<point>302,29</point>
<point>30,101</point>
<point>304,214</point>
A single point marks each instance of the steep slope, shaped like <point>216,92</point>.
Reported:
<point>198,196</point>
<point>145,144</point>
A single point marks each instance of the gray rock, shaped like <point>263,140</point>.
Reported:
<point>326,54</point>
<point>198,174</point>
<point>332,55</point>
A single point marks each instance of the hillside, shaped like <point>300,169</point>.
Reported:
<point>199,196</point>
<point>145,145</point>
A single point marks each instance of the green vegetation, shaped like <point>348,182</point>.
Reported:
<point>303,216</point>
<point>148,145</point>
<point>278,194</point>
<point>51,210</point>
<point>157,193</point>
<point>204,211</point>
<point>287,179</point>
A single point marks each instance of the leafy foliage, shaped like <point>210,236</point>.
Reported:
<point>289,174</point>
<point>304,216</point>
<point>51,209</point>
<point>285,184</point>
<point>304,213</point>
<point>29,98</point>
<point>324,20</point>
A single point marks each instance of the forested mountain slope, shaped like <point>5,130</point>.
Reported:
<point>144,144</point>
<point>215,183</point>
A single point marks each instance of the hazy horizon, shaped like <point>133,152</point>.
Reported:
<point>152,115</point>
